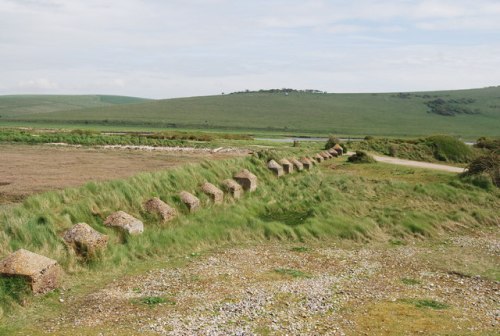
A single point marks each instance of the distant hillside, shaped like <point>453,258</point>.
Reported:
<point>396,114</point>
<point>16,105</point>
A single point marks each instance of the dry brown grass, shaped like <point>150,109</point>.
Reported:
<point>27,170</point>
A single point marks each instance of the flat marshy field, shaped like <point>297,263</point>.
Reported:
<point>30,169</point>
<point>351,249</point>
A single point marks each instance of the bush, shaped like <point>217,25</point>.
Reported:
<point>486,166</point>
<point>332,141</point>
<point>487,143</point>
<point>361,157</point>
<point>447,148</point>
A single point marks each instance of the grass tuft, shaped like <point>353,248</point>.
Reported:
<point>292,272</point>
<point>427,303</point>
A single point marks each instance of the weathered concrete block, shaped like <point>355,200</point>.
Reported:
<point>43,274</point>
<point>232,187</point>
<point>215,194</point>
<point>287,166</point>
<point>306,163</point>
<point>326,155</point>
<point>156,205</point>
<point>333,152</point>
<point>339,149</point>
<point>318,158</point>
<point>247,180</point>
<point>275,168</point>
<point>85,240</point>
<point>191,201</point>
<point>297,164</point>
<point>124,221</point>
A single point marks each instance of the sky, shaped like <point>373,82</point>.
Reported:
<point>180,48</point>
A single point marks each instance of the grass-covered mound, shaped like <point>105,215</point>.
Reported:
<point>359,202</point>
<point>450,149</point>
<point>434,148</point>
<point>361,157</point>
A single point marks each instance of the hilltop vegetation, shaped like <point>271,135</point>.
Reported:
<point>17,105</point>
<point>386,114</point>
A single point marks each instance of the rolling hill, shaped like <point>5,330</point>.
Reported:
<point>466,113</point>
<point>17,105</point>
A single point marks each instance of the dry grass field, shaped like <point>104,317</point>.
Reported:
<point>26,170</point>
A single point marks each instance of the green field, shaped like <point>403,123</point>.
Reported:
<point>389,114</point>
<point>18,105</point>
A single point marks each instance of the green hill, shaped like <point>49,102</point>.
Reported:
<point>467,113</point>
<point>17,105</point>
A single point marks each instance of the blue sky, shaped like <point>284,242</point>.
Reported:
<point>163,49</point>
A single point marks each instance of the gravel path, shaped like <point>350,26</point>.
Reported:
<point>419,164</point>
<point>339,288</point>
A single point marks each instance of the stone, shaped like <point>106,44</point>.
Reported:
<point>318,158</point>
<point>191,201</point>
<point>325,155</point>
<point>275,168</point>
<point>157,206</point>
<point>339,149</point>
<point>333,152</point>
<point>124,221</point>
<point>297,164</point>
<point>306,163</point>
<point>43,274</point>
<point>215,194</point>
<point>287,166</point>
<point>232,187</point>
<point>247,180</point>
<point>85,240</point>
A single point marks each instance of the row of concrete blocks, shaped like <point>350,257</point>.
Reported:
<point>44,274</point>
<point>287,166</point>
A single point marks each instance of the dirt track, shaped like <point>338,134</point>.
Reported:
<point>418,164</point>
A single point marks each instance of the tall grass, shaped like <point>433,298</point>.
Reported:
<point>319,204</point>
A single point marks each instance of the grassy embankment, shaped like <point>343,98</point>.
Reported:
<point>386,114</point>
<point>374,201</point>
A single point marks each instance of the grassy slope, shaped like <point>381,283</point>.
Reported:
<point>370,202</point>
<point>347,114</point>
<point>18,105</point>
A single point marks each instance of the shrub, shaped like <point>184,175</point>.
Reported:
<point>447,148</point>
<point>486,166</point>
<point>332,141</point>
<point>488,143</point>
<point>361,157</point>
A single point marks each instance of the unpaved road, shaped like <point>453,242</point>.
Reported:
<point>418,164</point>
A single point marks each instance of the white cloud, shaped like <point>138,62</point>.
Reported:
<point>177,48</point>
<point>38,84</point>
